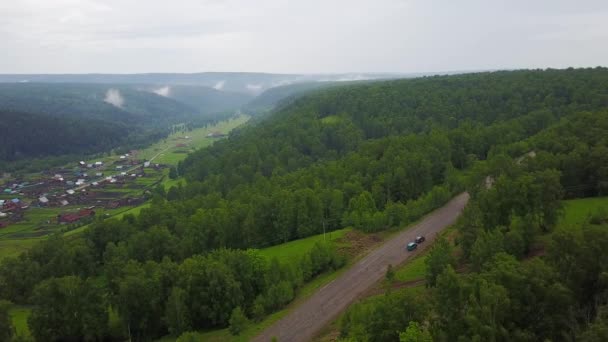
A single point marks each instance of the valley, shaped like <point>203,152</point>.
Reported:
<point>67,198</point>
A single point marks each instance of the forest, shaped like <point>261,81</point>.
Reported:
<point>370,156</point>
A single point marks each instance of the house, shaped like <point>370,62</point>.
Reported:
<point>147,164</point>
<point>8,191</point>
<point>181,145</point>
<point>2,203</point>
<point>216,135</point>
<point>43,200</point>
<point>94,184</point>
<point>82,163</point>
<point>3,224</point>
<point>68,218</point>
<point>123,157</point>
<point>119,167</point>
<point>70,191</point>
<point>99,174</point>
<point>98,163</point>
<point>89,165</point>
<point>64,202</point>
<point>86,213</point>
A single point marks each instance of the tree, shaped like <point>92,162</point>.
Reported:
<point>238,321</point>
<point>7,330</point>
<point>139,301</point>
<point>173,172</point>
<point>438,259</point>
<point>485,247</point>
<point>449,303</point>
<point>66,308</point>
<point>415,333</point>
<point>177,315</point>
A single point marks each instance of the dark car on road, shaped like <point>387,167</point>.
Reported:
<point>411,246</point>
<point>419,239</point>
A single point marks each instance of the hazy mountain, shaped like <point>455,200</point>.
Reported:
<point>243,82</point>
<point>208,101</point>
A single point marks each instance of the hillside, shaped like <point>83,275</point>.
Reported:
<point>373,157</point>
<point>273,97</point>
<point>25,135</point>
<point>91,118</point>
<point>118,103</point>
<point>209,102</point>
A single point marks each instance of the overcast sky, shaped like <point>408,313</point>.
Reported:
<point>307,36</point>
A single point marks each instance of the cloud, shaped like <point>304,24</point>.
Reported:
<point>255,88</point>
<point>163,91</point>
<point>219,85</point>
<point>348,36</point>
<point>114,98</point>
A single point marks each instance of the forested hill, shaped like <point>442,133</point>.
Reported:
<point>25,135</point>
<point>118,103</point>
<point>474,111</point>
<point>89,118</point>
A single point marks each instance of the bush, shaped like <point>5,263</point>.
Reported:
<point>238,321</point>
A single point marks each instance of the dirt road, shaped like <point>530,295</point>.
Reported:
<point>306,320</point>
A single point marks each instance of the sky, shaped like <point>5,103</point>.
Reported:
<point>300,36</point>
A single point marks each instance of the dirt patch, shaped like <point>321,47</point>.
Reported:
<point>355,243</point>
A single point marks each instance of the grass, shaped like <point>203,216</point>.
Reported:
<point>332,119</point>
<point>169,153</point>
<point>578,211</point>
<point>412,270</point>
<point>19,315</point>
<point>14,247</point>
<point>294,250</point>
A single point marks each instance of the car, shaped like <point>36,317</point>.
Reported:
<point>420,239</point>
<point>411,246</point>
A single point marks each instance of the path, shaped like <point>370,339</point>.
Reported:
<point>325,305</point>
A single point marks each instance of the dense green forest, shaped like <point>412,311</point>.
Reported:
<point>371,156</point>
<point>560,295</point>
<point>25,135</point>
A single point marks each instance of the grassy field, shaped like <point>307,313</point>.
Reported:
<point>168,152</point>
<point>19,315</point>
<point>413,270</point>
<point>578,211</point>
<point>294,250</point>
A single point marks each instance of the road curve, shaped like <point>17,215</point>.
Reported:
<point>302,323</point>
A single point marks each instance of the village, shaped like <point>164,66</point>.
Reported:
<point>76,193</point>
<point>66,199</point>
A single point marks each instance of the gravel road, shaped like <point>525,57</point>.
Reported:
<point>303,322</point>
